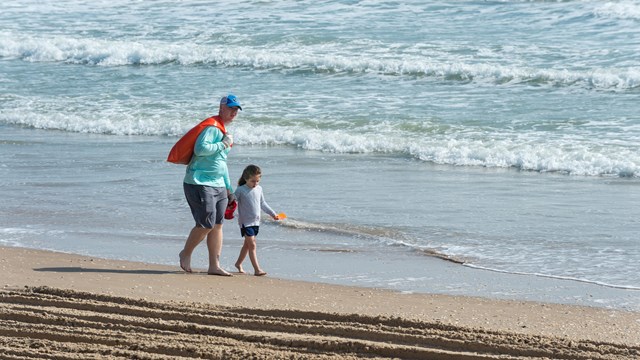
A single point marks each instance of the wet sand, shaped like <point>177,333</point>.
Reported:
<point>61,306</point>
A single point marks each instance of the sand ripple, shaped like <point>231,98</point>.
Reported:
<point>48,323</point>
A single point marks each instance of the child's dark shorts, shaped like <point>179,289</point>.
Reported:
<point>249,230</point>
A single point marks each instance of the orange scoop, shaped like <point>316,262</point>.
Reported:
<point>282,216</point>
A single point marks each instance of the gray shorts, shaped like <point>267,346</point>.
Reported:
<point>207,204</point>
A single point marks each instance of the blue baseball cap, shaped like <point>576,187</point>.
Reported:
<point>231,101</point>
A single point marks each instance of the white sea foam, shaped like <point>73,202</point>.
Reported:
<point>15,236</point>
<point>619,10</point>
<point>575,156</point>
<point>97,123</point>
<point>569,278</point>
<point>541,155</point>
<point>323,58</point>
<point>20,231</point>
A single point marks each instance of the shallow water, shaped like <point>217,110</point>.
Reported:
<point>353,219</point>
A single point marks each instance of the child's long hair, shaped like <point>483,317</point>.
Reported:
<point>249,172</point>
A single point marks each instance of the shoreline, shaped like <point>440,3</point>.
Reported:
<point>32,276</point>
<point>373,246</point>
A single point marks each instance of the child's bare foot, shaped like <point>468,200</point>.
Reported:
<point>185,262</point>
<point>240,269</point>
<point>260,273</point>
<point>219,272</point>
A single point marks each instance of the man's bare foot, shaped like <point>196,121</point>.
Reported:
<point>240,269</point>
<point>185,262</point>
<point>260,273</point>
<point>219,272</point>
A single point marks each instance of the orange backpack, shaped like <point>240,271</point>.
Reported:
<point>182,151</point>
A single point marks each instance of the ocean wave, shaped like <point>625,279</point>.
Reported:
<point>491,151</point>
<point>619,10</point>
<point>378,233</point>
<point>584,156</point>
<point>322,59</point>
<point>121,124</point>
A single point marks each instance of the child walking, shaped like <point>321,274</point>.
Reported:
<point>250,201</point>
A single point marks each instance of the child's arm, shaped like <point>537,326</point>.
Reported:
<point>266,208</point>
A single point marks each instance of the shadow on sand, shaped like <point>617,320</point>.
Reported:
<point>77,269</point>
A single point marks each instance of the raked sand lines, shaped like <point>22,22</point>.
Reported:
<point>47,323</point>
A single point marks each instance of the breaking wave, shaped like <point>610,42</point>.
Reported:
<point>572,156</point>
<point>318,59</point>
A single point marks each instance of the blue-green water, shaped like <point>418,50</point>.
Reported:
<point>500,134</point>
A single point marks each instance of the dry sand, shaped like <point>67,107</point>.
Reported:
<point>60,306</point>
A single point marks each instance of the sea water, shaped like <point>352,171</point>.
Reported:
<point>475,148</point>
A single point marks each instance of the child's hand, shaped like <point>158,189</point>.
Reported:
<point>276,217</point>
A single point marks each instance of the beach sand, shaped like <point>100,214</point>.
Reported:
<point>62,306</point>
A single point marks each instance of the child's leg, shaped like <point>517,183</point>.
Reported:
<point>250,242</point>
<point>242,256</point>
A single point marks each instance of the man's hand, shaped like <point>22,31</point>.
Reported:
<point>227,140</point>
<point>231,198</point>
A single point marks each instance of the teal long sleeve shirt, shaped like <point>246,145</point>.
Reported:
<point>208,165</point>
